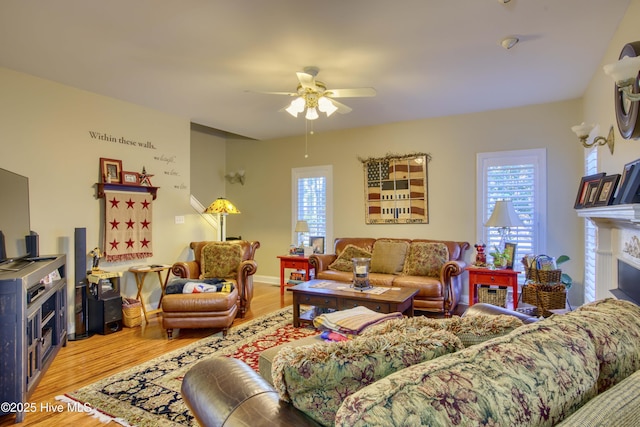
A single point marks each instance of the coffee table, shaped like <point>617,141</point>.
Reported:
<point>340,296</point>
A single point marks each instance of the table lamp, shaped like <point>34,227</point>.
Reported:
<point>302,226</point>
<point>222,207</point>
<point>504,217</point>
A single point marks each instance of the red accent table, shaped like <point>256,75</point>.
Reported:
<point>487,276</point>
<point>296,262</point>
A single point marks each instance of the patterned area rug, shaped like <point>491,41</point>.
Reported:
<point>149,394</point>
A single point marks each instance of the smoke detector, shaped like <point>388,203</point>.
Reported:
<point>509,42</point>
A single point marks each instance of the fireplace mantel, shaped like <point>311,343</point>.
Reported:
<point>622,216</point>
<point>617,226</point>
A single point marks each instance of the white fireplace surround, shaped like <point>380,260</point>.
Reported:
<point>618,238</point>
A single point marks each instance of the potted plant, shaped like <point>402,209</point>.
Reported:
<point>500,257</point>
<point>566,280</point>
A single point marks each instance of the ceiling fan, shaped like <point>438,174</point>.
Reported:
<point>314,96</point>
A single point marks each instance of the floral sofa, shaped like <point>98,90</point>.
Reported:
<point>434,267</point>
<point>576,369</point>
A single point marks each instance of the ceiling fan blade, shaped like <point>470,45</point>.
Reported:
<point>307,81</point>
<point>342,109</point>
<point>273,93</point>
<point>351,93</point>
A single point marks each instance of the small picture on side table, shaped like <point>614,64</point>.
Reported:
<point>317,243</point>
<point>510,251</point>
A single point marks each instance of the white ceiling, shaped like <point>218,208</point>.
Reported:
<point>206,59</point>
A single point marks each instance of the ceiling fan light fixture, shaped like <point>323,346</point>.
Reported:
<point>296,106</point>
<point>327,106</point>
<point>312,114</point>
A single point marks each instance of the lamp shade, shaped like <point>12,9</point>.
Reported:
<point>302,227</point>
<point>504,215</point>
<point>582,130</point>
<point>623,70</point>
<point>222,206</point>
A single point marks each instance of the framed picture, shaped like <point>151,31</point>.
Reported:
<point>581,197</point>
<point>592,190</point>
<point>606,190</point>
<point>624,181</point>
<point>130,178</point>
<point>630,193</point>
<point>111,171</point>
<point>510,251</point>
<point>317,243</point>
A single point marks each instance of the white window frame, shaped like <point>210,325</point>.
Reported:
<point>537,157</point>
<point>590,235</point>
<point>325,171</point>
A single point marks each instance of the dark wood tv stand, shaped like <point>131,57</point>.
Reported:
<point>33,328</point>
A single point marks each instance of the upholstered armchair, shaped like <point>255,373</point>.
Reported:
<point>241,275</point>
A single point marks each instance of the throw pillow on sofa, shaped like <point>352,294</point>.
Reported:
<point>343,262</point>
<point>220,260</point>
<point>471,329</point>
<point>317,378</point>
<point>388,256</point>
<point>426,259</point>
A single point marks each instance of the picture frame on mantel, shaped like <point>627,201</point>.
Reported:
<point>583,188</point>
<point>111,171</point>
<point>130,178</point>
<point>606,190</point>
<point>624,184</point>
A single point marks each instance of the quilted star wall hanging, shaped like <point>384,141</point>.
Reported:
<point>128,223</point>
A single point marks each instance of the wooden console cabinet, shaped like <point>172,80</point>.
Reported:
<point>33,328</point>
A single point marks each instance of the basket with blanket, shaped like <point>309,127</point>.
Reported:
<point>546,286</point>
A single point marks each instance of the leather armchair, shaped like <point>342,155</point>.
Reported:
<point>244,277</point>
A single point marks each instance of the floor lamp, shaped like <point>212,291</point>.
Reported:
<point>222,207</point>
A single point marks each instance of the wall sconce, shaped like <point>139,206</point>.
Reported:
<point>583,130</point>
<point>627,91</point>
<point>235,177</point>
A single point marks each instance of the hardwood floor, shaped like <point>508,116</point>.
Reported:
<point>86,361</point>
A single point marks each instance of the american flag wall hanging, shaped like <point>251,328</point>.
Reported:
<point>128,222</point>
<point>396,189</point>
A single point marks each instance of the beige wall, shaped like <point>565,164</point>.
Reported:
<point>453,143</point>
<point>44,135</point>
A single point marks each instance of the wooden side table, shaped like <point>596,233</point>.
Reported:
<point>140,273</point>
<point>296,262</point>
<point>487,276</point>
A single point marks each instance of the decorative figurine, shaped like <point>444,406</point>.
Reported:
<point>481,256</point>
<point>96,253</point>
<point>145,178</point>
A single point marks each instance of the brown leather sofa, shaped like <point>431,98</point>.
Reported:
<point>216,309</point>
<point>439,295</point>
<point>223,391</point>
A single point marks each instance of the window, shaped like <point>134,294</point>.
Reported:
<point>312,201</point>
<point>519,176</point>
<point>590,237</point>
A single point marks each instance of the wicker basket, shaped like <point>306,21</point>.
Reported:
<point>495,296</point>
<point>131,312</point>
<point>544,276</point>
<point>545,297</point>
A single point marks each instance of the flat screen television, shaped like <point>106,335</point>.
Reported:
<point>14,216</point>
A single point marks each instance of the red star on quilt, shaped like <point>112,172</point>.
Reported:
<point>114,202</point>
<point>130,243</point>
<point>145,243</point>
<point>114,244</point>
<point>114,224</point>
<point>145,204</point>
<point>130,224</point>
<point>130,203</point>
<point>145,224</point>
